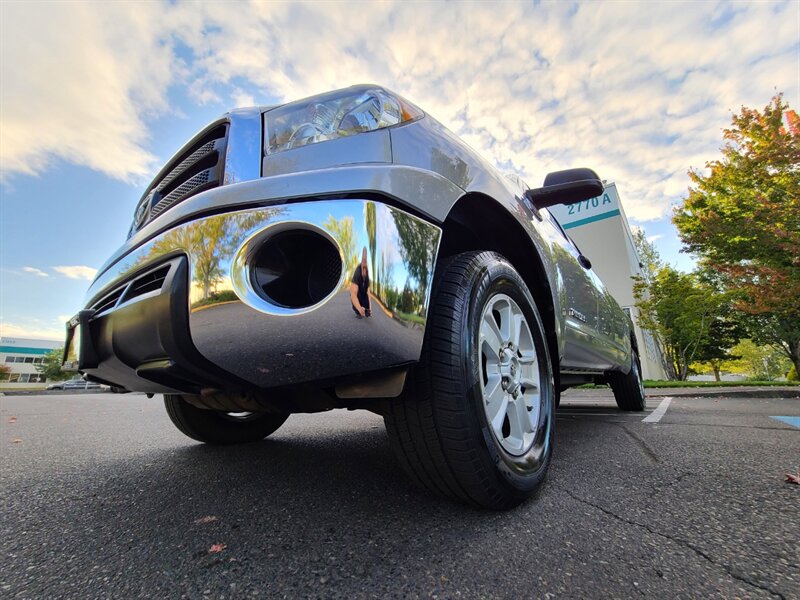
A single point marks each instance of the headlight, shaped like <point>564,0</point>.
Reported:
<point>334,115</point>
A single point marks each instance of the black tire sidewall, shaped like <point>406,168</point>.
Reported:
<point>213,427</point>
<point>638,380</point>
<point>522,473</point>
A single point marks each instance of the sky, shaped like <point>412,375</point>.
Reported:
<point>95,97</point>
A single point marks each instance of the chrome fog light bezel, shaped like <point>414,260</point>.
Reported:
<point>242,266</point>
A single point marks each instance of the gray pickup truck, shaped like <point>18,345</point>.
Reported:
<point>348,251</point>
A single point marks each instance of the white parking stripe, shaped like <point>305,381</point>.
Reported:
<point>661,409</point>
<point>615,413</point>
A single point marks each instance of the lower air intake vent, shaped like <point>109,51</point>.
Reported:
<point>151,282</point>
<point>108,301</point>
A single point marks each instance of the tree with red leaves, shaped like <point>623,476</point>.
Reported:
<point>742,218</point>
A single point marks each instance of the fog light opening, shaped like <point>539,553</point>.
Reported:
<point>295,269</point>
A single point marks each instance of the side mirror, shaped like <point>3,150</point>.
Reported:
<point>566,187</point>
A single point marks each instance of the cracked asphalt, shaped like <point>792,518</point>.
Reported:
<point>102,498</point>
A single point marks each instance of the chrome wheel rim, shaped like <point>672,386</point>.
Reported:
<point>240,416</point>
<point>510,382</point>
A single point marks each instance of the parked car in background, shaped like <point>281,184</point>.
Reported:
<point>76,384</point>
<point>348,251</point>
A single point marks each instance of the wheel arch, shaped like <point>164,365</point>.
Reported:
<point>479,222</point>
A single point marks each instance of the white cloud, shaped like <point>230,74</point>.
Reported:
<point>79,80</point>
<point>33,329</point>
<point>77,272</point>
<point>35,271</point>
<point>640,92</point>
<point>241,98</point>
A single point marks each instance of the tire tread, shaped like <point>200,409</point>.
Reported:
<point>429,425</point>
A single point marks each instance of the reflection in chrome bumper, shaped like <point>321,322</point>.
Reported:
<point>241,331</point>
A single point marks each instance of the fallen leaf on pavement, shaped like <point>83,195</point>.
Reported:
<point>16,441</point>
<point>12,420</point>
<point>217,548</point>
<point>203,520</point>
<point>795,479</point>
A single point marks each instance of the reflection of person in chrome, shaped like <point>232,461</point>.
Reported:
<point>359,288</point>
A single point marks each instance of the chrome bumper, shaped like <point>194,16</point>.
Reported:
<point>265,345</point>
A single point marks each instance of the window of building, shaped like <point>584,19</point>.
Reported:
<point>29,359</point>
<point>650,345</point>
<point>10,359</point>
<point>13,377</point>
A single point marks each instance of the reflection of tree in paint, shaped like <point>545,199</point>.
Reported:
<point>417,247</point>
<point>342,232</point>
<point>371,220</point>
<point>210,242</point>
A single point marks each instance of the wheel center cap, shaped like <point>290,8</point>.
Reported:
<point>510,369</point>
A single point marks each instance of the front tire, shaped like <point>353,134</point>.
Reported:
<point>476,420</point>
<point>220,428</point>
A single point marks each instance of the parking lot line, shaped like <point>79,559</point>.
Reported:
<point>661,409</point>
<point>793,421</point>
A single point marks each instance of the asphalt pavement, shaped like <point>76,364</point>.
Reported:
<point>102,498</point>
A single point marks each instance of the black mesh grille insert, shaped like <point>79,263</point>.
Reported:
<point>183,191</point>
<point>197,167</point>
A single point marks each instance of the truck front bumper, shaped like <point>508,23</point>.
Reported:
<point>203,306</point>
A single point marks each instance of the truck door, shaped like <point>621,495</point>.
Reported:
<point>583,347</point>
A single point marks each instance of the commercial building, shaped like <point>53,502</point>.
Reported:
<point>22,356</point>
<point>600,229</point>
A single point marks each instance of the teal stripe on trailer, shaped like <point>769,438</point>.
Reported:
<point>608,215</point>
<point>21,350</point>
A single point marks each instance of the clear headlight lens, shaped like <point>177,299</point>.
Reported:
<point>334,115</point>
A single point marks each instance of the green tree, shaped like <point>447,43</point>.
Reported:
<point>371,219</point>
<point>650,264</point>
<point>742,218</point>
<point>417,247</point>
<point>727,326</point>
<point>342,231</point>
<point>649,259</point>
<point>4,371</point>
<point>684,314</point>
<point>763,363</point>
<point>51,366</point>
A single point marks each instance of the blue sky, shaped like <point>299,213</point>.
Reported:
<point>96,96</point>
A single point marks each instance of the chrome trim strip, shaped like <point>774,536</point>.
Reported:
<point>243,155</point>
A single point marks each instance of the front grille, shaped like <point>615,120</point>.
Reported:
<point>197,167</point>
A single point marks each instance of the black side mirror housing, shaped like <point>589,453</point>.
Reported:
<point>566,187</point>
